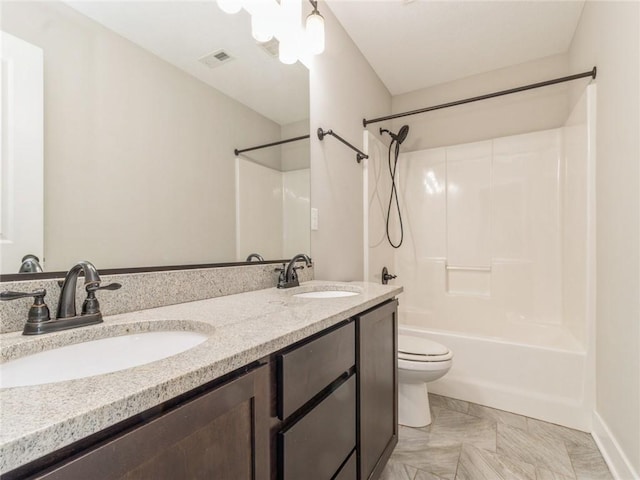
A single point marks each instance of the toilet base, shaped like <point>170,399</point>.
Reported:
<point>413,405</point>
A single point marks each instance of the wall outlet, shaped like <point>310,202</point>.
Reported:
<point>314,219</point>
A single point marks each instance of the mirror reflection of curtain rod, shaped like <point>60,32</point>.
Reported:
<point>591,73</point>
<point>359,154</point>
<point>295,139</point>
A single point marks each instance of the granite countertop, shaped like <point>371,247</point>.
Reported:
<point>37,420</point>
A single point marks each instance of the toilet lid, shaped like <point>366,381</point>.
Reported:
<point>420,349</point>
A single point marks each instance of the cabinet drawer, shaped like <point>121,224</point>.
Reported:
<point>315,446</point>
<point>349,470</point>
<point>305,371</point>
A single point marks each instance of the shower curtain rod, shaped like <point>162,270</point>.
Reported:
<point>295,139</point>
<point>590,73</point>
<point>359,154</point>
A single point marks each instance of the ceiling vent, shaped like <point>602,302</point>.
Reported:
<point>215,59</point>
<point>271,47</point>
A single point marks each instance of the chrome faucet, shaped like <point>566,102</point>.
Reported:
<point>39,320</point>
<point>254,256</point>
<point>288,276</point>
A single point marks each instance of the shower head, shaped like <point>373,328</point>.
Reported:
<point>400,136</point>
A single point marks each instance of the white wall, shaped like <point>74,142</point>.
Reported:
<point>295,155</point>
<point>343,90</point>
<point>608,36</point>
<point>133,147</point>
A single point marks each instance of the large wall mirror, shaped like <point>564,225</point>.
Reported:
<point>141,106</point>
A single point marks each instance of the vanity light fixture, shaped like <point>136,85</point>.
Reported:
<point>314,30</point>
<point>270,18</point>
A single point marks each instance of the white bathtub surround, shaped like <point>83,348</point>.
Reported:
<point>283,199</point>
<point>532,380</point>
<point>498,264</point>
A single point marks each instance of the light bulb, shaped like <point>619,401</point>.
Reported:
<point>314,32</point>
<point>287,52</point>
<point>230,6</point>
<point>261,28</point>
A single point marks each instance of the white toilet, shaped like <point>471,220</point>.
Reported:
<point>420,360</point>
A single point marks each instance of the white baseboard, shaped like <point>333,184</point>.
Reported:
<point>618,463</point>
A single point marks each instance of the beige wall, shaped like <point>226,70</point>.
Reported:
<point>139,163</point>
<point>609,37</point>
<point>343,90</point>
<point>529,111</point>
<point>295,155</point>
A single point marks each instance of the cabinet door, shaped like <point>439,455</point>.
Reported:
<point>221,434</point>
<point>378,385</point>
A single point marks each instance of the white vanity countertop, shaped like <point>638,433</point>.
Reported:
<point>40,419</point>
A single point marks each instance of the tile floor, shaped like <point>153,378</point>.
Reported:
<point>466,441</point>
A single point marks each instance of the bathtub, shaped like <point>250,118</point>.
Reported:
<point>543,378</point>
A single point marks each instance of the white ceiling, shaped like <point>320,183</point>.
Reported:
<point>181,32</point>
<point>416,44</point>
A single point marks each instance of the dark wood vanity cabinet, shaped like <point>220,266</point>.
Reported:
<point>221,434</point>
<point>317,393</point>
<point>323,409</point>
<point>343,409</point>
<point>377,360</point>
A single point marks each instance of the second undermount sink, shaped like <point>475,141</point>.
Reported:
<point>326,294</point>
<point>327,291</point>
<point>96,357</point>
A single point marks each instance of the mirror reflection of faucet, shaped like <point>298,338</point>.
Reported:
<point>30,264</point>
<point>288,277</point>
<point>39,320</point>
<point>254,256</point>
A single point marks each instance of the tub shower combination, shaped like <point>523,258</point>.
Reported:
<point>497,263</point>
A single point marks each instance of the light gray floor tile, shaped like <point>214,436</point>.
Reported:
<point>398,471</point>
<point>480,443</point>
<point>478,464</point>
<point>448,403</point>
<point>452,426</point>
<point>544,474</point>
<point>557,432</point>
<point>588,462</point>
<point>422,475</point>
<point>410,433</point>
<point>501,416</point>
<point>441,460</point>
<point>538,450</point>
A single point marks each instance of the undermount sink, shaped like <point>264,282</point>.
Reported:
<point>326,291</point>
<point>326,294</point>
<point>96,357</point>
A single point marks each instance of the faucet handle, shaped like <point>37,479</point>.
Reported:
<point>91,304</point>
<point>39,312</point>
<point>111,286</point>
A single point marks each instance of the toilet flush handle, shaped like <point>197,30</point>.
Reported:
<point>386,276</point>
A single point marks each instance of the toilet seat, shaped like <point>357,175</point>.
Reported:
<point>420,349</point>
